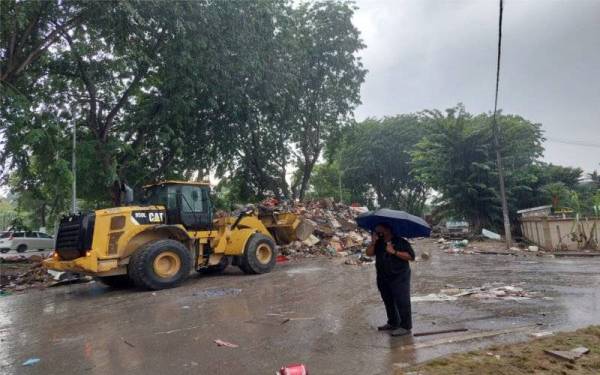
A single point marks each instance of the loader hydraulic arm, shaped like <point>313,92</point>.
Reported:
<point>248,211</point>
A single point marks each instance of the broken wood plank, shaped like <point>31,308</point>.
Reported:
<point>439,332</point>
<point>568,355</point>
<point>473,336</point>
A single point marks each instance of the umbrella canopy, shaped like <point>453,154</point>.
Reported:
<point>403,224</point>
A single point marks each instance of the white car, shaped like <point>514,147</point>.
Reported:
<point>23,241</point>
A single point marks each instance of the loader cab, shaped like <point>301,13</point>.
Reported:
<point>186,203</point>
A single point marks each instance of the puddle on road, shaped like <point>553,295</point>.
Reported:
<point>217,292</point>
<point>297,271</point>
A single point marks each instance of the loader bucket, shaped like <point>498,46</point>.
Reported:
<point>287,227</point>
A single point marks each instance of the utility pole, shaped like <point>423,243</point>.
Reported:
<point>74,170</point>
<point>340,184</point>
<point>505,217</point>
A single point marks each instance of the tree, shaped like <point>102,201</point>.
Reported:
<point>456,158</point>
<point>162,90</point>
<point>328,76</point>
<point>28,29</point>
<point>325,183</point>
<point>538,182</point>
<point>558,193</point>
<point>375,156</point>
<point>92,77</point>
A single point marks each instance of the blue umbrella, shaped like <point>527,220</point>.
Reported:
<point>403,224</point>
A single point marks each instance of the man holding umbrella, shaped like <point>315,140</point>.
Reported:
<point>392,253</point>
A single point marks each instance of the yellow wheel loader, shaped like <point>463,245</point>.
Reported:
<point>157,244</point>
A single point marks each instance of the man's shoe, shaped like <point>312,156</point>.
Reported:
<point>400,332</point>
<point>386,327</point>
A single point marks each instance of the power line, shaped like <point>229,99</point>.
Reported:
<point>573,142</point>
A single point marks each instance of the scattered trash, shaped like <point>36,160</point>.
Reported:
<point>226,344</point>
<point>293,369</point>
<point>491,235</point>
<point>311,240</point>
<point>217,292</point>
<point>487,291</point>
<point>55,274</point>
<point>282,259</point>
<point>462,243</point>
<point>433,298</point>
<point>570,355</point>
<point>127,342</point>
<point>352,262</point>
<point>31,361</point>
<point>71,278</point>
<point>292,319</point>
<point>534,249</point>
<point>497,356</point>
<point>541,334</point>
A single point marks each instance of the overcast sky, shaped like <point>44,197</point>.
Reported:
<point>424,54</point>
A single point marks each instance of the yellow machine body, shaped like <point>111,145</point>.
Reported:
<point>117,235</point>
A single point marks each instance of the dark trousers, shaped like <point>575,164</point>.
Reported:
<point>395,292</point>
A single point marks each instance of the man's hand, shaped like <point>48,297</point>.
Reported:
<point>374,237</point>
<point>389,247</point>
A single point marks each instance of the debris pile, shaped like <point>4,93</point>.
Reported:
<point>334,231</point>
<point>20,273</point>
<point>455,247</point>
<point>486,291</point>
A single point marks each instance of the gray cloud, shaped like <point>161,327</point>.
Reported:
<point>433,54</point>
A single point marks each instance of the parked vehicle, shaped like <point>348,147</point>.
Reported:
<point>23,241</point>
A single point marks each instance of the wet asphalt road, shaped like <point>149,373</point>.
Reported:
<point>334,309</point>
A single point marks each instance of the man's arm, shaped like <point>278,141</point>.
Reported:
<point>404,255</point>
<point>371,249</point>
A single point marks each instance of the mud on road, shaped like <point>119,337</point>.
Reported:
<point>319,312</point>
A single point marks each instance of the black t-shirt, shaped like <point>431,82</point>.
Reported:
<point>389,265</point>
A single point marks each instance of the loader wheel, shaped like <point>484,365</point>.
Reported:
<point>119,281</point>
<point>160,264</point>
<point>260,255</point>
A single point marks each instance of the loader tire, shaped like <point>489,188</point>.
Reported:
<point>160,264</point>
<point>259,256</point>
<point>116,282</point>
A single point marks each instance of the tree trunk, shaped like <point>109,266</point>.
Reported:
<point>306,172</point>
